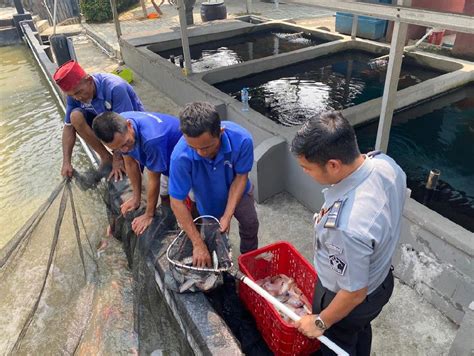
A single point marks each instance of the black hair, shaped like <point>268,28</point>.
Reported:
<point>326,136</point>
<point>105,126</point>
<point>200,117</point>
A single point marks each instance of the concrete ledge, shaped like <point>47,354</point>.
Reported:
<point>463,343</point>
<point>6,23</point>
<point>208,28</point>
<point>205,331</point>
<point>102,41</point>
<point>268,174</point>
<point>17,18</point>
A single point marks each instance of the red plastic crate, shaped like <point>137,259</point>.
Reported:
<point>281,337</point>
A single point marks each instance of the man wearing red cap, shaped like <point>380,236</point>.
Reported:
<point>87,97</point>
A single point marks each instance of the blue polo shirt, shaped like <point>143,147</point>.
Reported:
<point>209,179</point>
<point>112,94</point>
<point>155,137</point>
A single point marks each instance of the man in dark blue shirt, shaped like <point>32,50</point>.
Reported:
<point>145,139</point>
<point>88,96</point>
<point>213,160</point>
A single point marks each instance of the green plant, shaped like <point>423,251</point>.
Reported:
<point>100,11</point>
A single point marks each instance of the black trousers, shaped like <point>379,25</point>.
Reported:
<point>354,333</point>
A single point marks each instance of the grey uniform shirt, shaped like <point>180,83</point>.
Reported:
<point>357,252</point>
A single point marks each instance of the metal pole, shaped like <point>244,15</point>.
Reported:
<point>184,37</point>
<point>391,83</point>
<point>248,4</point>
<point>142,3</point>
<point>355,22</point>
<point>113,5</point>
<point>55,10</point>
<point>19,7</point>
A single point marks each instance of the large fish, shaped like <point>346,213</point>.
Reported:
<point>286,291</point>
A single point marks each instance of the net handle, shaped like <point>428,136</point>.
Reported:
<point>199,269</point>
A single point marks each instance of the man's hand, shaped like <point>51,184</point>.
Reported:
<point>118,168</point>
<point>201,256</point>
<point>307,327</point>
<point>130,205</point>
<point>66,170</point>
<point>225,223</point>
<point>141,223</point>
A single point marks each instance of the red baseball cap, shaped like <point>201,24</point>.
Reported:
<point>69,75</point>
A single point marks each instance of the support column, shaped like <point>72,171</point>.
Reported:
<point>19,7</point>
<point>118,30</point>
<point>391,82</point>
<point>248,4</point>
<point>142,3</point>
<point>184,37</point>
<point>355,22</point>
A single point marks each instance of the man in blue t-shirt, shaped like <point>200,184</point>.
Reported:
<point>213,159</point>
<point>88,96</point>
<point>145,139</point>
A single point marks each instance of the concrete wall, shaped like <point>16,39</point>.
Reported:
<point>436,259</point>
<point>9,36</point>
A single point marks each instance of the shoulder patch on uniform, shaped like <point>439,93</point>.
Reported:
<point>337,264</point>
<point>334,213</point>
<point>373,153</point>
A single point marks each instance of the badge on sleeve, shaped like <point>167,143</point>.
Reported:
<point>337,264</point>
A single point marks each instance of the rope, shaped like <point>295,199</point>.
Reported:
<point>57,229</point>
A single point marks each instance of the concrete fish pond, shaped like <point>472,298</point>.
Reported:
<point>242,48</point>
<point>294,93</point>
<point>435,135</point>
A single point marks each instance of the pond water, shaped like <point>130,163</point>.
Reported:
<point>292,94</point>
<point>436,135</point>
<point>242,48</point>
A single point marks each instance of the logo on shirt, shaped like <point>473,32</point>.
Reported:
<point>154,117</point>
<point>334,248</point>
<point>228,163</point>
<point>108,106</point>
<point>337,264</point>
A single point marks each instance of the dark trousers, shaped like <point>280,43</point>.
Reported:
<point>246,215</point>
<point>354,333</point>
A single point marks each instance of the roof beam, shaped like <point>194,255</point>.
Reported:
<point>449,21</point>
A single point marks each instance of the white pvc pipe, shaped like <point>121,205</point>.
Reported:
<point>290,313</point>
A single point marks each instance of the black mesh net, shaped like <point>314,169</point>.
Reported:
<point>184,277</point>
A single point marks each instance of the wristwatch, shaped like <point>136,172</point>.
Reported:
<point>320,324</point>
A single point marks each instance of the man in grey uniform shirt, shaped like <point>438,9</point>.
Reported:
<point>356,231</point>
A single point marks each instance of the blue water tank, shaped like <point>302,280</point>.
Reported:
<point>367,27</point>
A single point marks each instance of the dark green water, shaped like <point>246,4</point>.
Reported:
<point>229,51</point>
<point>292,94</point>
<point>438,134</point>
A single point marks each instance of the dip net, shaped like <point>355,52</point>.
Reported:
<point>184,277</point>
